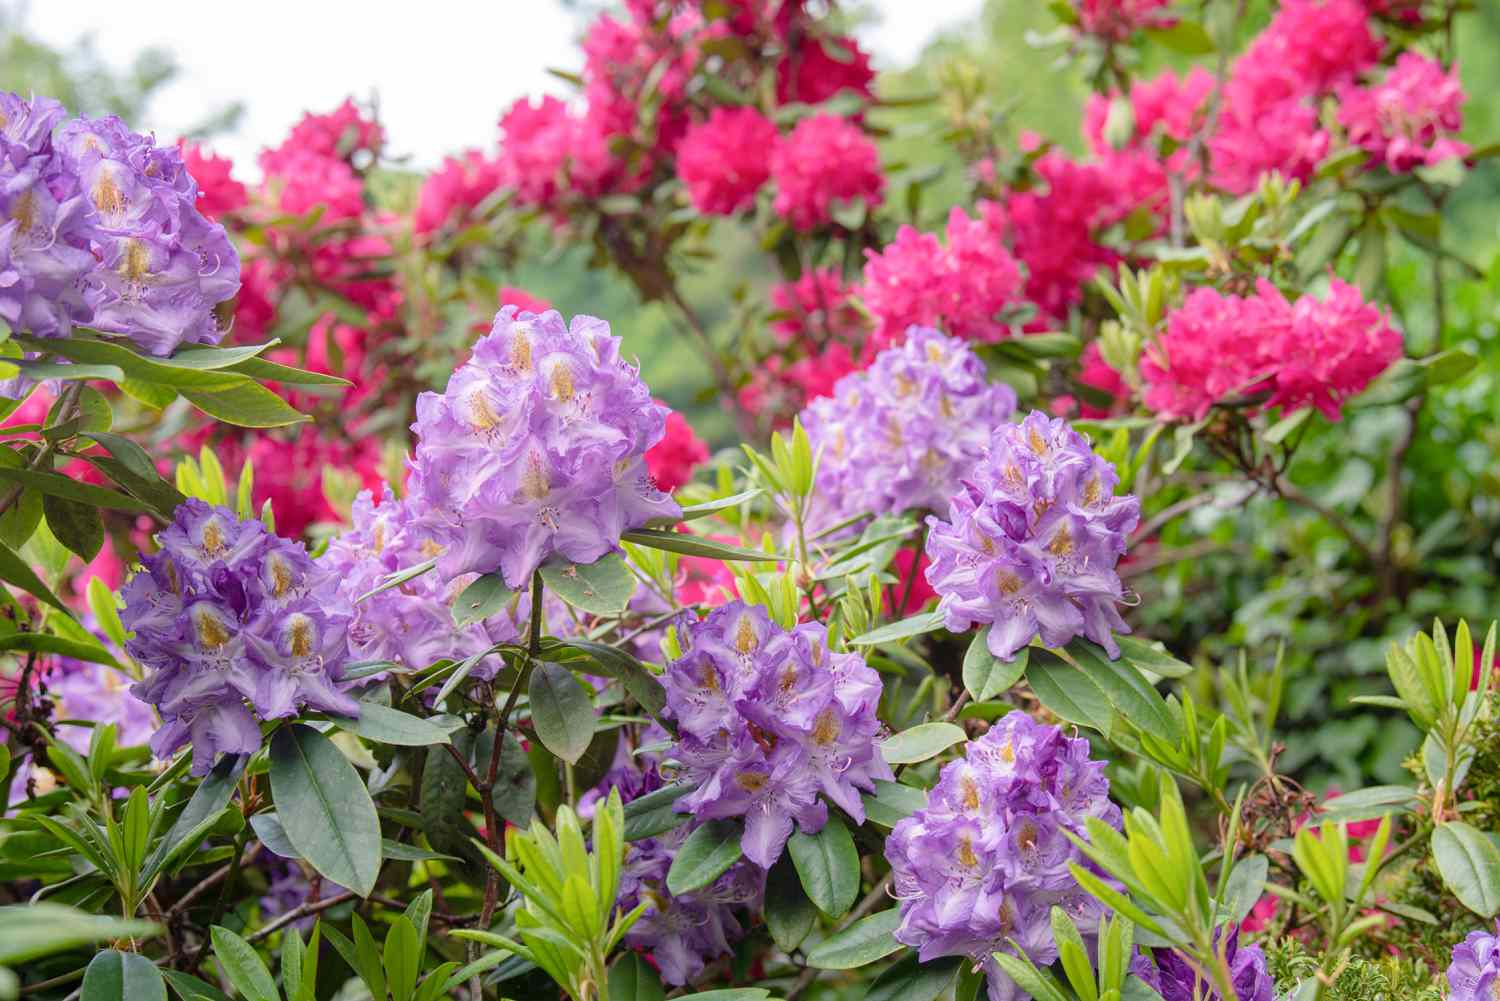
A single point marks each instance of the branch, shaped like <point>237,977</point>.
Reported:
<point>68,404</point>
<point>297,913</point>
<point>1336,521</point>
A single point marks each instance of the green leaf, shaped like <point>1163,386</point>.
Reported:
<point>865,941</point>
<point>267,827</point>
<point>246,404</point>
<point>637,679</point>
<point>205,805</point>
<point>892,802</point>
<point>790,915</point>
<point>139,368</point>
<point>926,740</point>
<point>242,966</point>
<point>1469,863</point>
<point>324,808</point>
<point>912,980</point>
<point>696,545</point>
<point>385,725</point>
<point>828,864</point>
<point>270,371</point>
<point>30,931</point>
<point>514,792</point>
<point>397,851</point>
<point>653,813</point>
<point>398,578</point>
<point>1277,433</point>
<point>444,797</point>
<point>484,597</point>
<point>190,988</point>
<point>77,526</point>
<point>1127,691</point>
<point>916,625</point>
<point>985,675</point>
<point>601,588</point>
<point>1184,36</point>
<point>122,976</point>
<point>561,711</point>
<point>1068,692</point>
<point>14,570</point>
<point>1146,657</point>
<point>631,978</point>
<point>47,643</point>
<point>731,994</point>
<point>403,959</point>
<point>57,485</point>
<point>705,856</point>
<point>695,511</point>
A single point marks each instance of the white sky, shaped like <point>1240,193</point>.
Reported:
<point>443,69</point>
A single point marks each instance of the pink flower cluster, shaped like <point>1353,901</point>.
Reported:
<point>672,460</point>
<point>960,288</point>
<point>1269,118</point>
<point>1117,20</point>
<point>452,192</point>
<point>1408,119</point>
<point>824,160</point>
<point>1310,352</point>
<point>218,192</point>
<point>819,70</point>
<point>724,161</point>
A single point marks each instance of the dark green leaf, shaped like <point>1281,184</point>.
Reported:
<point>631,978</point>
<point>790,915</point>
<point>911,980</point>
<point>616,663</point>
<point>206,803</point>
<point>242,966</point>
<point>93,653</point>
<point>270,371</point>
<point>444,797</point>
<point>139,368</point>
<point>1068,692</point>
<point>396,851</point>
<point>385,725</point>
<point>122,976</point>
<point>190,988</point>
<point>57,485</point>
<point>272,835</point>
<point>705,856</point>
<point>696,545</point>
<point>514,792</point>
<point>14,570</point>
<point>654,814</point>
<point>694,511</point>
<point>77,526</point>
<point>560,711</point>
<point>985,675</point>
<point>482,599</point>
<point>246,405</point>
<point>1127,691</point>
<point>601,588</point>
<point>865,941</point>
<point>324,807</point>
<point>892,802</point>
<point>828,864</point>
<point>1146,657</point>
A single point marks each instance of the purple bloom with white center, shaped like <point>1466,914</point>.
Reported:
<point>901,433</point>
<point>535,449</point>
<point>1474,972</point>
<point>163,267</point>
<point>227,614</point>
<point>769,719</point>
<point>1031,541</point>
<point>413,623</point>
<point>987,859</point>
<point>1175,980</point>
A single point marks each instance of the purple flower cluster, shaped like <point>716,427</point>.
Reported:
<point>101,230</point>
<point>288,888</point>
<point>413,624</point>
<point>987,859</point>
<point>769,718</point>
<point>535,449</point>
<point>227,612</point>
<point>901,433</point>
<point>1474,972</point>
<point>1175,980</point>
<point>1032,539</point>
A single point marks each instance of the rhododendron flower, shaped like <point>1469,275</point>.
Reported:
<point>227,613</point>
<point>1171,976</point>
<point>1410,118</point>
<point>981,866</point>
<point>779,389</point>
<point>536,449</point>
<point>1031,540</point>
<point>522,300</point>
<point>769,719</point>
<point>819,69</point>
<point>303,181</point>
<point>1311,353</point>
<point>960,288</point>
<point>1164,106</point>
<point>455,189</point>
<point>1474,972</point>
<point>546,151</point>
<point>824,160</point>
<point>337,135</point>
<point>672,460</point>
<point>624,58</point>
<point>1117,20</point>
<point>815,309</point>
<point>218,191</point>
<point>724,161</point>
<point>900,434</point>
<point>1096,373</point>
<point>1310,48</point>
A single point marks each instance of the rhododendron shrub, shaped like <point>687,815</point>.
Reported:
<point>1097,503</point>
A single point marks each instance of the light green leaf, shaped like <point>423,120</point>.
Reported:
<point>705,856</point>
<point>865,941</point>
<point>828,864</point>
<point>601,588</point>
<point>985,675</point>
<point>926,740</point>
<point>1469,863</point>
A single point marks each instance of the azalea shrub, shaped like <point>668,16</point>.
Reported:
<point>1083,592</point>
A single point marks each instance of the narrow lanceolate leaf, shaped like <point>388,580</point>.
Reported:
<point>14,570</point>
<point>385,725</point>
<point>926,740</point>
<point>122,976</point>
<point>207,802</point>
<point>865,941</point>
<point>655,813</point>
<point>246,404</point>
<point>985,675</point>
<point>705,856</point>
<point>697,545</point>
<point>601,588</point>
<point>324,808</point>
<point>398,578</point>
<point>243,966</point>
<point>828,864</point>
<point>58,485</point>
<point>561,711</point>
<point>1469,863</point>
<point>916,625</point>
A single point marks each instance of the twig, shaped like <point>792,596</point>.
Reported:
<point>211,880</point>
<point>1170,513</point>
<point>1336,521</point>
<point>67,404</point>
<point>298,913</point>
<point>729,397</point>
<point>1205,547</point>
